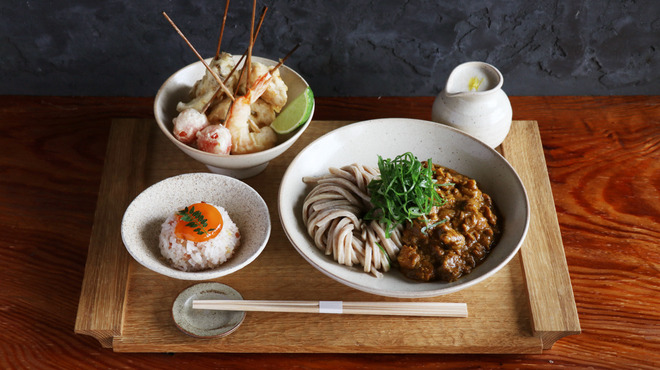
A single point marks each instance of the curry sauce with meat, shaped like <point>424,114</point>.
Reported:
<point>455,237</point>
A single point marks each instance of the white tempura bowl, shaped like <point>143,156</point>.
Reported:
<point>176,89</point>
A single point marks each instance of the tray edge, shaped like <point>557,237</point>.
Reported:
<point>104,284</point>
<point>554,313</point>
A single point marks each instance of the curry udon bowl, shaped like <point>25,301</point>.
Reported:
<point>176,89</point>
<point>361,143</point>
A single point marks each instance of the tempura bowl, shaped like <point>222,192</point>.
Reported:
<point>176,89</point>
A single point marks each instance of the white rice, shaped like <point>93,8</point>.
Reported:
<point>190,256</point>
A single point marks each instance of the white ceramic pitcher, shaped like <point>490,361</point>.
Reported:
<point>473,101</point>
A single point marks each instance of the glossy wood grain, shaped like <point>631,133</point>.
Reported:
<point>603,158</point>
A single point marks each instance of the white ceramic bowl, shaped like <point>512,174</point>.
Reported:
<point>143,218</point>
<point>362,143</point>
<point>176,88</point>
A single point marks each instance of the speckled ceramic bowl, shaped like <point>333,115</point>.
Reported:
<point>176,88</point>
<point>143,218</point>
<point>362,142</point>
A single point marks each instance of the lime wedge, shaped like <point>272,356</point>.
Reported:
<point>295,114</point>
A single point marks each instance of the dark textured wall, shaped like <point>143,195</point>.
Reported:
<point>361,48</point>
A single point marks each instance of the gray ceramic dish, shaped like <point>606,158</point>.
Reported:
<point>206,323</point>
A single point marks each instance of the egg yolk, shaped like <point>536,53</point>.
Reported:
<point>193,230</point>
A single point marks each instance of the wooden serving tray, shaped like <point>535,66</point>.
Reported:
<point>524,308</point>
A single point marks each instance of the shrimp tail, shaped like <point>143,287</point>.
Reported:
<point>258,88</point>
<point>244,141</point>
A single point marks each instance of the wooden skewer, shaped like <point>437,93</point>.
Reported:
<point>253,125</point>
<point>222,30</point>
<point>435,309</point>
<point>278,65</point>
<point>219,92</point>
<point>251,42</point>
<point>261,21</point>
<point>285,58</point>
<point>215,75</point>
<point>240,75</point>
<point>254,39</point>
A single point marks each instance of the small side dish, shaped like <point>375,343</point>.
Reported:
<point>198,237</point>
<point>201,239</point>
<point>206,323</point>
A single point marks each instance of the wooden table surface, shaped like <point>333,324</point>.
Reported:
<point>603,158</point>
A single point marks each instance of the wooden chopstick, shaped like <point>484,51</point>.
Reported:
<point>437,309</point>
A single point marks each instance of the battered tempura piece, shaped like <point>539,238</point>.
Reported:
<point>240,103</point>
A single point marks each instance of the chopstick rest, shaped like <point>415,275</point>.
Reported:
<point>437,309</point>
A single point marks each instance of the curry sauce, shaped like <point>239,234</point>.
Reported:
<point>455,237</point>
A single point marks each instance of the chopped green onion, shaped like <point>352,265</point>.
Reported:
<point>389,262</point>
<point>431,226</point>
<point>405,190</point>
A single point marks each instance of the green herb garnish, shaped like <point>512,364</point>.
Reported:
<point>405,190</point>
<point>424,229</point>
<point>195,219</point>
<point>387,256</point>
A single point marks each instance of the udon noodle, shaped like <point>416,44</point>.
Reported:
<point>332,212</point>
